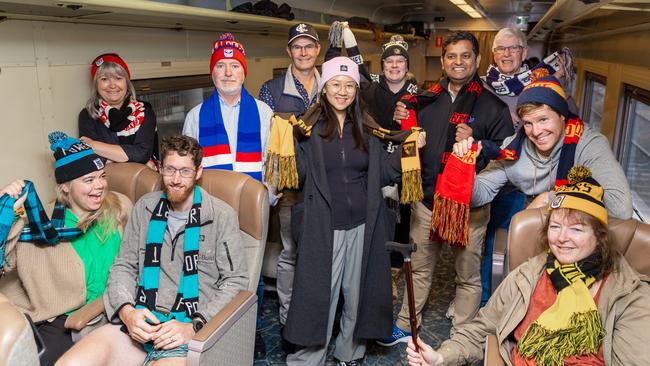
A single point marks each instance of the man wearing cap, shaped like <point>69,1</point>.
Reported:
<point>537,159</point>
<point>232,126</point>
<point>297,89</point>
<point>294,92</point>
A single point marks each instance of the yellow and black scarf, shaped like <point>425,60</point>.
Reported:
<point>571,326</point>
<point>280,167</point>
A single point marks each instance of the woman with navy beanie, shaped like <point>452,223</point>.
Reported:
<point>56,259</point>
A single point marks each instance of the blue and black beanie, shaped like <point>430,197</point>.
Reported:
<point>74,158</point>
<point>546,90</point>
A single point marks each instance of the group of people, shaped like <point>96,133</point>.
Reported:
<point>345,148</point>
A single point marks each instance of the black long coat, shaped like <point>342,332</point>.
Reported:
<point>308,313</point>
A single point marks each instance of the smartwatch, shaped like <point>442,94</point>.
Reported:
<point>197,324</point>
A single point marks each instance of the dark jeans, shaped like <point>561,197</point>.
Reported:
<point>506,204</point>
<point>56,338</point>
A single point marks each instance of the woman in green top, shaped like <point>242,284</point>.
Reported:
<point>56,264</point>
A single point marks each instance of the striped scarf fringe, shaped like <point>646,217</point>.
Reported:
<point>450,214</point>
<point>571,326</point>
<point>552,347</point>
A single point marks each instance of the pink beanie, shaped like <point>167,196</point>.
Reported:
<point>336,67</point>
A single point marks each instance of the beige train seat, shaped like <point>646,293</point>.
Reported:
<point>630,237</point>
<point>17,345</point>
<point>229,337</point>
<point>132,179</point>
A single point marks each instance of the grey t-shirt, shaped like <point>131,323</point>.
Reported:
<point>176,221</point>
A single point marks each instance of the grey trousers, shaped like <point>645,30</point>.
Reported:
<point>287,257</point>
<point>346,277</point>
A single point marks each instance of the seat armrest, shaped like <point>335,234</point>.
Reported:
<point>85,315</point>
<point>224,319</point>
<point>492,355</point>
<point>233,328</point>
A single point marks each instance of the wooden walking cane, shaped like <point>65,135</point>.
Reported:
<point>406,250</point>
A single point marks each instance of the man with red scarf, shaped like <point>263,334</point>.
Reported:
<point>454,106</point>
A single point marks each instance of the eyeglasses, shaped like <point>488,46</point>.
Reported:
<point>169,171</point>
<point>337,87</point>
<point>298,48</point>
<point>512,49</point>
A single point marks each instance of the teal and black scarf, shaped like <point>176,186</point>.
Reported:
<point>40,229</point>
<point>187,298</point>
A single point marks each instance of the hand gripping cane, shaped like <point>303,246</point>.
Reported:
<point>406,250</point>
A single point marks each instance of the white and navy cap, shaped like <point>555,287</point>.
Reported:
<point>302,30</point>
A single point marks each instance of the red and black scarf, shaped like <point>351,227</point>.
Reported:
<point>450,214</point>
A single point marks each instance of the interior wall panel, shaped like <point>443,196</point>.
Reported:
<point>45,77</point>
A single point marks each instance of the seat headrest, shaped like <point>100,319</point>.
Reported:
<point>133,180</point>
<point>630,237</point>
<point>239,190</point>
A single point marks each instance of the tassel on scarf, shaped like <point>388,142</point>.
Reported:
<point>411,169</point>
<point>335,34</point>
<point>572,325</point>
<point>280,165</point>
<point>281,169</point>
<point>552,347</point>
<point>450,213</point>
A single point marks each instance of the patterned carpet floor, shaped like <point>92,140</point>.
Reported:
<point>435,326</point>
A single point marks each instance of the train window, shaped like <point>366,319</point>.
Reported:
<point>634,148</point>
<point>594,99</point>
<point>172,98</point>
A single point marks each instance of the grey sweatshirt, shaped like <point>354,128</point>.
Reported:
<point>533,175</point>
<point>221,262</point>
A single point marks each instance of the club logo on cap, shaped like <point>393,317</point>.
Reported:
<point>302,28</point>
<point>557,202</point>
<point>228,52</point>
<point>99,163</point>
<point>396,51</point>
<point>344,68</point>
<point>99,61</point>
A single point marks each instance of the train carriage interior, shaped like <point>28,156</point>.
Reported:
<point>46,51</point>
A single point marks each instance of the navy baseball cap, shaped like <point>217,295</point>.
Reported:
<point>302,30</point>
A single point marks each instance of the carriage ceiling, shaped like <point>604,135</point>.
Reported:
<point>552,21</point>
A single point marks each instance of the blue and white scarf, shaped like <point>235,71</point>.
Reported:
<point>214,138</point>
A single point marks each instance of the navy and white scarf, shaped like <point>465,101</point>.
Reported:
<point>187,298</point>
<point>512,85</point>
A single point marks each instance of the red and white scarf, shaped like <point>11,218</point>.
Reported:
<point>136,118</point>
